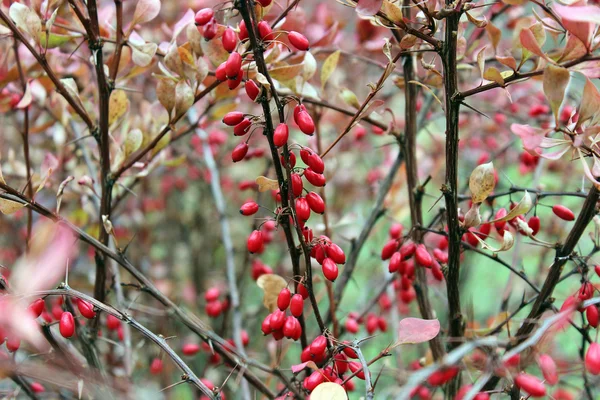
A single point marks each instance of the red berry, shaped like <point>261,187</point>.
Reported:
<point>242,128</point>
<point>591,314</point>
<point>264,30</point>
<point>213,308</point>
<point>318,345</point>
<point>372,324</point>
<point>303,291</point>
<point>563,212</point>
<point>316,203</point>
<point>37,307</point>
<point>284,298</point>
<point>233,118</point>
<point>233,65</point>
<point>66,326</point>
<point>356,366</point>
<point>422,256</point>
<point>264,3</point>
<point>239,152</point>
<point>407,250</point>
<point>252,89</point>
<point>302,209</point>
<point>396,231</point>
<point>281,134</point>
<point>112,323</point>
<point>37,387</point>
<point>330,269</point>
<point>389,249</point>
<point>297,185</point>
<point>234,83</point>
<point>335,252</point>
<point>314,380</point>
<point>314,178</point>
<point>289,327</point>
<point>298,40</point>
<point>189,349</point>
<point>530,385</point>
<point>212,294</point>
<point>592,359</point>
<point>306,123</point>
<point>220,72</point>
<point>210,30</point>
<point>156,366</point>
<point>277,320</point>
<point>534,223</point>
<point>297,305</point>
<point>266,325</point>
<point>13,344</point>
<point>204,16</point>
<point>501,213</point>
<point>229,40</point>
<point>243,34</point>
<point>249,208</point>
<point>441,376</point>
<point>86,309</point>
<point>548,368</point>
<point>352,325</point>
<point>255,242</point>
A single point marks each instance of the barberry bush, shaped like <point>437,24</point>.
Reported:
<point>293,199</point>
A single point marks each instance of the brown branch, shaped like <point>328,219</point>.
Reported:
<point>119,41</point>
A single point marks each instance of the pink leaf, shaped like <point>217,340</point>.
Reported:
<point>531,137</point>
<point>299,367</point>
<point>368,7</point>
<point>530,43</point>
<point>578,14</point>
<point>417,330</point>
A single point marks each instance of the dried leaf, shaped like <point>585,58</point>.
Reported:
<point>117,106</point>
<point>184,98</point>
<point>481,60</point>
<point>494,33</point>
<point>8,206</point>
<point>299,367</point>
<point>522,207</point>
<point>271,284</point>
<point>286,72</point>
<point>266,184</point>
<point>26,99</point>
<point>507,242</point>
<point>145,11</point>
<point>133,141</point>
<point>393,12</point>
<point>329,67</point>
<point>26,20</point>
<point>480,22</point>
<point>482,182</point>
<point>165,92</point>
<point>556,80</point>
<point>329,391</point>
<point>143,54</point>
<point>416,330</point>
<point>407,42</point>
<point>2,176</point>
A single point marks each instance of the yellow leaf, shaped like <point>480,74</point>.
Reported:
<point>393,12</point>
<point>162,143</point>
<point>492,74</point>
<point>271,284</point>
<point>266,184</point>
<point>286,72</point>
<point>329,66</point>
<point>117,105</point>
<point>8,206</point>
<point>350,98</point>
<point>480,23</point>
<point>329,391</point>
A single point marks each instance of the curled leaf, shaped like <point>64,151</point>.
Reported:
<point>271,284</point>
<point>266,184</point>
<point>508,241</point>
<point>522,207</point>
<point>299,367</point>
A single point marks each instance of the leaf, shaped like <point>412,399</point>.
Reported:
<point>173,60</point>
<point>578,13</point>
<point>393,12</point>
<point>213,49</point>
<point>508,241</point>
<point>310,66</point>
<point>590,103</point>
<point>133,141</point>
<point>184,98</point>
<point>556,80</point>
<point>162,143</point>
<point>271,284</point>
<point>429,90</point>
<point>145,11</point>
<point>142,55</point>
<point>54,40</point>
<point>286,72</point>
<point>509,61</point>
<point>482,182</point>
<point>368,7</point>
<point>329,67</point>
<point>329,391</point>
<point>266,184</point>
<point>522,207</point>
<point>478,22</point>
<point>529,42</point>
<point>481,60</point>
<point>407,42</point>
<point>416,330</point>
<point>492,74</point>
<point>2,176</point>
<point>494,33</point>
<point>26,99</point>
<point>8,206</point>
<point>26,20</point>
<point>117,106</point>
<point>165,92</point>
<point>349,98</point>
<point>299,367</point>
